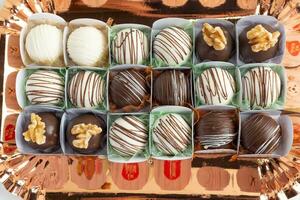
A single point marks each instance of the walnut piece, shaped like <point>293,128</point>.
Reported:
<point>214,36</point>
<point>36,130</point>
<point>260,39</point>
<point>84,133</point>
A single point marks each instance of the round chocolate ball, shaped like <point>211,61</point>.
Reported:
<point>172,87</point>
<point>85,133</point>
<point>261,134</point>
<point>247,55</point>
<point>207,52</point>
<point>128,87</point>
<point>44,132</point>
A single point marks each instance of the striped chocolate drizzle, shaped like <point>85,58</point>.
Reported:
<point>130,46</point>
<point>86,89</point>
<point>128,135</point>
<point>45,87</point>
<point>172,45</point>
<point>215,86</point>
<point>261,87</point>
<point>171,134</point>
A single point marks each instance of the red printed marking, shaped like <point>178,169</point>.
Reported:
<point>130,171</point>
<point>9,132</point>
<point>172,169</point>
<point>293,47</point>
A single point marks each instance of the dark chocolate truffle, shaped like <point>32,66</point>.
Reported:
<point>85,133</point>
<point>216,129</point>
<point>214,42</point>
<point>128,87</point>
<point>261,134</point>
<point>172,87</point>
<point>258,43</point>
<point>43,132</point>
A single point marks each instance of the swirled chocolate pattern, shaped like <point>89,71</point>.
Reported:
<point>86,89</point>
<point>130,46</point>
<point>171,134</point>
<point>172,46</point>
<point>45,87</point>
<point>261,87</point>
<point>128,135</point>
<point>215,86</point>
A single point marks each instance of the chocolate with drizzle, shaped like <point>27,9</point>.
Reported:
<point>128,135</point>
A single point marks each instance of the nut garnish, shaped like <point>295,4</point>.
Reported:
<point>36,130</point>
<point>83,133</point>
<point>214,36</point>
<point>260,39</point>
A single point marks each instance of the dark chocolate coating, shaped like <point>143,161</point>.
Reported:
<point>52,133</point>
<point>246,53</point>
<point>96,141</point>
<point>128,87</point>
<point>205,52</point>
<point>259,129</point>
<point>172,87</point>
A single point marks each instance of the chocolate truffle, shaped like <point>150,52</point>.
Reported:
<point>130,46</point>
<point>172,45</point>
<point>128,135</point>
<point>44,44</point>
<point>171,87</point>
<point>87,46</point>
<point>86,89</point>
<point>43,132</point>
<point>171,134</point>
<point>128,87</point>
<point>261,134</point>
<point>45,87</point>
<point>216,129</point>
<point>261,87</point>
<point>215,86</point>
<point>258,43</point>
<point>214,42</point>
<point>85,133</point>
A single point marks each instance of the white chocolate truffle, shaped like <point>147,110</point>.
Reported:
<point>87,46</point>
<point>45,87</point>
<point>172,45</point>
<point>130,46</point>
<point>171,134</point>
<point>215,86</point>
<point>86,89</point>
<point>44,44</point>
<point>261,87</point>
<point>128,135</point>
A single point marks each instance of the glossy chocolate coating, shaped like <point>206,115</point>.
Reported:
<point>172,87</point>
<point>246,53</point>
<point>205,52</point>
<point>96,141</point>
<point>52,133</point>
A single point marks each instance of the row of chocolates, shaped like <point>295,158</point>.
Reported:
<point>48,40</point>
<point>168,132</point>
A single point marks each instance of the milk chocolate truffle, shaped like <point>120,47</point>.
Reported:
<point>86,89</point>
<point>85,133</point>
<point>45,87</point>
<point>172,46</point>
<point>128,87</point>
<point>128,135</point>
<point>172,87</point>
<point>215,86</point>
<point>171,134</point>
<point>87,46</point>
<point>42,132</point>
<point>44,44</point>
<point>130,46</point>
<point>261,134</point>
<point>258,43</point>
<point>214,42</point>
<point>216,129</point>
<point>261,87</point>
